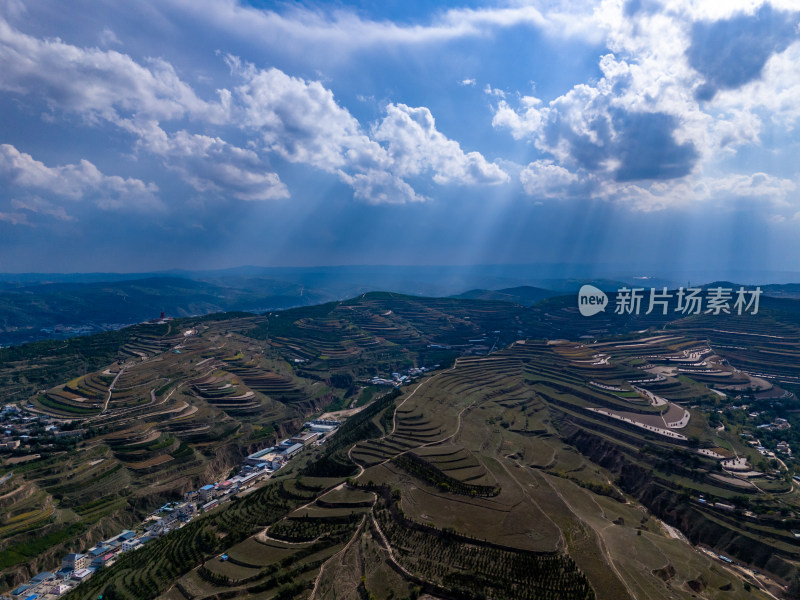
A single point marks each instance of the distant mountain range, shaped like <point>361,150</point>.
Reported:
<point>524,295</point>
<point>56,310</point>
<point>50,306</point>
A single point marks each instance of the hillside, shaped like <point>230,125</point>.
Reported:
<point>59,310</point>
<point>525,295</point>
<point>506,450</point>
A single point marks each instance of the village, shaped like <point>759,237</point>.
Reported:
<point>254,469</point>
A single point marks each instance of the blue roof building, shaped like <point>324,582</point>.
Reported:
<point>292,450</point>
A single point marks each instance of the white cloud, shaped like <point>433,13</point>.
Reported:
<point>774,93</point>
<point>297,119</point>
<point>415,146</point>
<point>108,38</point>
<point>98,84</point>
<point>301,121</point>
<point>639,135</point>
<point>212,164</point>
<point>490,91</point>
<point>14,218</point>
<point>76,182</point>
<point>773,193</point>
<point>544,179</point>
<point>38,205</point>
<point>758,185</point>
<point>381,187</point>
<point>521,123</point>
<point>316,30</point>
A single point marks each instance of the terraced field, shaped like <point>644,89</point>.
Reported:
<point>169,414</point>
<point>521,467</point>
<point>474,482</point>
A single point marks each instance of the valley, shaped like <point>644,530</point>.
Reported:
<point>510,463</point>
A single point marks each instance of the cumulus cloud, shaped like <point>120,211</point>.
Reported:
<point>758,185</point>
<point>76,182</point>
<point>490,91</point>
<point>639,134</point>
<point>585,129</point>
<point>302,122</point>
<point>774,93</point>
<point>731,52</point>
<point>98,84</point>
<point>544,179</point>
<point>212,164</point>
<point>415,146</point>
<point>297,119</point>
<point>381,187</point>
<point>663,113</point>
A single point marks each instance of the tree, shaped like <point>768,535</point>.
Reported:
<point>793,591</point>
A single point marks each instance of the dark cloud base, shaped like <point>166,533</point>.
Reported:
<point>733,52</point>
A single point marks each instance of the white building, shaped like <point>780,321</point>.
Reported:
<point>129,545</point>
<point>59,588</point>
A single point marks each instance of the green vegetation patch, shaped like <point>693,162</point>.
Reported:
<point>422,469</point>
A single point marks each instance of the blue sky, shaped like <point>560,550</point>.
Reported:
<point>211,133</point>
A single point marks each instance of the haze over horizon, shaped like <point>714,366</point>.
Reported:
<point>202,135</point>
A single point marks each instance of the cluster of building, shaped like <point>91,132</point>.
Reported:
<point>777,424</point>
<point>781,447</point>
<point>173,515</point>
<point>275,457</point>
<point>478,346</point>
<point>255,467</point>
<point>21,428</point>
<point>398,379</point>
<point>76,567</point>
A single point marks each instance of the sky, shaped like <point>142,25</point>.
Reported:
<point>200,134</point>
